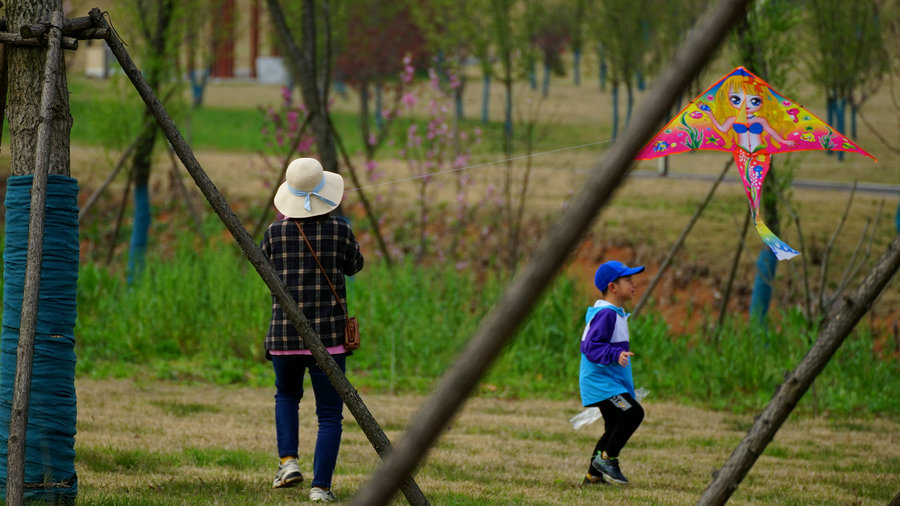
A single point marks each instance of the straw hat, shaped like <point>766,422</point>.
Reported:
<point>308,190</point>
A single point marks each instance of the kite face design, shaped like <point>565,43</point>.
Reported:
<point>743,115</point>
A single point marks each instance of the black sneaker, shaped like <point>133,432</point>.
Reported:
<point>609,468</point>
<point>591,479</point>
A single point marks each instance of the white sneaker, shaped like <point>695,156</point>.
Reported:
<point>288,474</point>
<point>317,494</point>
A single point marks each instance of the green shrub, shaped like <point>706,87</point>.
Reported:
<point>201,313</point>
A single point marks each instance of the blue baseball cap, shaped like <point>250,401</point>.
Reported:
<point>611,271</point>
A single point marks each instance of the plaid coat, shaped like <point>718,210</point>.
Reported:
<point>339,253</point>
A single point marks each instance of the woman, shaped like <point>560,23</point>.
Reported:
<point>306,200</point>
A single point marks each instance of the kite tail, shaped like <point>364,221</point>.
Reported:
<point>780,248</point>
<point>753,170</point>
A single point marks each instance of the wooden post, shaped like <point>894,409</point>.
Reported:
<point>840,322</point>
<point>529,284</point>
<point>15,484</point>
<point>351,398</point>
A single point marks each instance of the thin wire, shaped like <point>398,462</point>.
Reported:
<point>475,166</point>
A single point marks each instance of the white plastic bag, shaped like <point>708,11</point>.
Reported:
<point>592,414</point>
<point>589,415</point>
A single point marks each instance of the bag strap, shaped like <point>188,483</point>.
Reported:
<point>311,250</point>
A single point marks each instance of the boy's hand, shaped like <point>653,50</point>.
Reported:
<point>623,358</point>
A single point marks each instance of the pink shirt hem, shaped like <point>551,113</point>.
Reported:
<point>333,350</point>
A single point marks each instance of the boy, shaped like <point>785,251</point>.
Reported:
<point>605,378</point>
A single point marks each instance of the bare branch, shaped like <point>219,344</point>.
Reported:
<point>851,272</point>
<point>292,150</point>
<point>370,214</point>
<point>726,295</point>
<point>684,233</point>
<point>17,40</point>
<point>112,175</point>
<point>877,133</point>
<point>825,256</point>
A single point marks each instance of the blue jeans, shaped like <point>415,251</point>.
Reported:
<point>289,371</point>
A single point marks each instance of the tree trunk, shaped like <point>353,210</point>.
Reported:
<point>601,68</point>
<point>576,66</point>
<point>140,166</point>
<point>143,151</point>
<point>41,203</point>
<point>458,95</point>
<point>615,109</point>
<point>485,98</point>
<point>25,82</point>
<point>364,120</point>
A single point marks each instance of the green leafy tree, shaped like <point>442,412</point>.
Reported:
<point>576,29</point>
<point>551,37</point>
<point>622,29</point>
<point>503,31</point>
<point>453,36</point>
<point>373,59</point>
<point>849,57</point>
<point>205,30</point>
<point>309,61</point>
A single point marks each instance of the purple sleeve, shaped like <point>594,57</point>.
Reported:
<point>596,346</point>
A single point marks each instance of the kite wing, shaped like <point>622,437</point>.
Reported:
<point>743,115</point>
<point>704,124</point>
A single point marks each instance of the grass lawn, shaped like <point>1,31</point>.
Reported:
<point>166,443</point>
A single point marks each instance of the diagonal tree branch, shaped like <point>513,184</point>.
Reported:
<point>843,318</point>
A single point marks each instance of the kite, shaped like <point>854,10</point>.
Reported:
<point>742,114</point>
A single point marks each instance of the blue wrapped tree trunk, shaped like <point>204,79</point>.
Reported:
<point>50,432</point>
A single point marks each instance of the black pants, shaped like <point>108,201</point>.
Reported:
<point>621,416</point>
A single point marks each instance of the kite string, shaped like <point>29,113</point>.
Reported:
<point>477,165</point>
